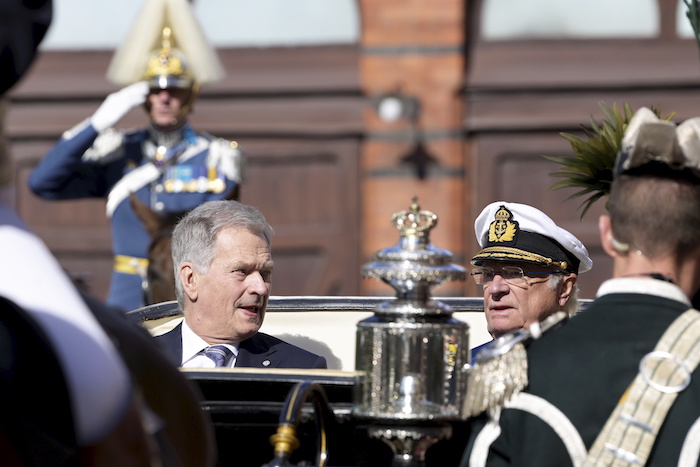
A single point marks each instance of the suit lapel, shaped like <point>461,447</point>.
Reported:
<point>257,353</point>
<point>171,342</point>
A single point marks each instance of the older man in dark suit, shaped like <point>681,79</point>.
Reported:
<point>223,271</point>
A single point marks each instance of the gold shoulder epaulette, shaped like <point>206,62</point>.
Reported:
<point>500,369</point>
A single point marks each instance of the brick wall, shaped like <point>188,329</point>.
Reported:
<point>414,48</point>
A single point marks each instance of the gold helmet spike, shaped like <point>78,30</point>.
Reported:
<point>166,35</point>
<point>167,67</point>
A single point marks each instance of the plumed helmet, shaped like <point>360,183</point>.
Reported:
<point>167,47</point>
<point>167,67</point>
<point>655,146</point>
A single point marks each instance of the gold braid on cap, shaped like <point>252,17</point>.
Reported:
<point>517,254</point>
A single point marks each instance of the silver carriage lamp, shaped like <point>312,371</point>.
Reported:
<point>412,350</point>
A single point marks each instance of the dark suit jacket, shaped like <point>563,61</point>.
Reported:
<point>260,351</point>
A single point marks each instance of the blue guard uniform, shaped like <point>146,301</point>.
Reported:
<point>168,166</point>
<point>171,172</point>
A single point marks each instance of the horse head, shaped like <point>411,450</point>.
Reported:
<point>159,282</point>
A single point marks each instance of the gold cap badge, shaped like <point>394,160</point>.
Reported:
<point>502,229</point>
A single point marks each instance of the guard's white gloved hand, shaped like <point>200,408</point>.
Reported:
<point>118,104</point>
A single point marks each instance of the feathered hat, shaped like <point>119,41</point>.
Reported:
<point>167,47</point>
<point>656,146</point>
<point>590,167</point>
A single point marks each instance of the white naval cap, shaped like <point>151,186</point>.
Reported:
<point>518,232</point>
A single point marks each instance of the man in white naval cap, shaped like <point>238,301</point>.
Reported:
<point>619,384</point>
<point>528,267</point>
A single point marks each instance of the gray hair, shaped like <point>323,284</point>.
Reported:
<point>572,305</point>
<point>194,236</point>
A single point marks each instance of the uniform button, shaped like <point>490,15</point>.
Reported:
<point>159,188</point>
<point>159,206</point>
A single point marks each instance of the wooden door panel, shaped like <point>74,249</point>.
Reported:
<point>297,114</point>
<point>308,191</point>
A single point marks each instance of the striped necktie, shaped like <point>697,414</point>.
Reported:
<point>219,354</point>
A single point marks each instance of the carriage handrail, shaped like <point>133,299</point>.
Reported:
<point>309,303</point>
<point>304,303</point>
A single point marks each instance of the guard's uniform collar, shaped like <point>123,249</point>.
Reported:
<point>643,286</point>
<point>169,139</point>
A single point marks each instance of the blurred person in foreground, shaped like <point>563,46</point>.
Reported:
<point>79,385</point>
<point>618,384</point>
<point>223,268</point>
<point>168,165</point>
<point>528,267</point>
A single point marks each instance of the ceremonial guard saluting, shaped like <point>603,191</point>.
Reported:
<point>168,165</point>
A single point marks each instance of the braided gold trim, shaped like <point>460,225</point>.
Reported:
<point>130,265</point>
<point>516,254</point>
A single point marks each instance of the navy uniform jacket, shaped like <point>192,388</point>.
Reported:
<point>260,351</point>
<point>583,369</point>
<point>114,163</point>
<point>475,351</point>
